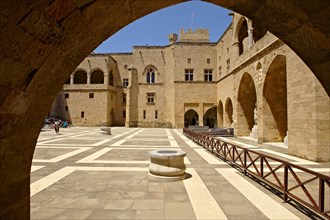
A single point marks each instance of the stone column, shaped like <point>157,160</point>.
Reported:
<point>106,79</point>
<point>71,79</point>
<point>88,79</point>
<point>250,35</point>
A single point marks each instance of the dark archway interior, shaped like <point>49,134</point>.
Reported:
<point>210,117</point>
<point>191,118</point>
<point>275,105</point>
<point>80,77</point>
<point>97,77</point>
<point>229,113</point>
<point>42,42</point>
<point>247,102</point>
<point>221,113</point>
<point>242,34</point>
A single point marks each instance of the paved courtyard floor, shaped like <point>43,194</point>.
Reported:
<point>83,174</point>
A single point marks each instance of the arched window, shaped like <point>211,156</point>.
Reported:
<point>110,78</point>
<point>242,35</point>
<point>97,77</point>
<point>151,75</point>
<point>80,77</point>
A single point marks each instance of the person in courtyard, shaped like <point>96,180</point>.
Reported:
<point>57,127</point>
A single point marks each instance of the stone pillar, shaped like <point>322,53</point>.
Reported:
<point>106,79</point>
<point>250,35</point>
<point>132,113</point>
<point>88,79</point>
<point>200,114</point>
<point>71,79</point>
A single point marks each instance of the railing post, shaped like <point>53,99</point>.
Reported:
<point>233,149</point>
<point>321,195</point>
<point>285,184</point>
<point>245,171</point>
<point>224,153</point>
<point>261,167</point>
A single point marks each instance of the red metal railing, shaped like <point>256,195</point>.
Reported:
<point>307,187</point>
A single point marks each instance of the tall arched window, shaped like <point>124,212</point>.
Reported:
<point>242,35</point>
<point>151,76</point>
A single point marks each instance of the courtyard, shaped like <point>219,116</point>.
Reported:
<point>83,174</point>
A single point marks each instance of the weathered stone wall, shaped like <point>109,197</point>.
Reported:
<point>201,94</point>
<point>145,58</point>
<point>199,35</point>
<point>307,104</point>
<point>309,112</point>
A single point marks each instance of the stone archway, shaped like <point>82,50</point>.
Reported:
<point>229,113</point>
<point>191,118</point>
<point>275,119</point>
<point>210,117</point>
<point>44,41</point>
<point>246,103</point>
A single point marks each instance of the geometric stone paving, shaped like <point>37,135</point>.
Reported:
<point>82,174</point>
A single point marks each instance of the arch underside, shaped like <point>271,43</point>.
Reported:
<point>247,99</point>
<point>275,101</point>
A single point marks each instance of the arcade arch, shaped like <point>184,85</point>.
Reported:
<point>229,113</point>
<point>221,113</point>
<point>191,118</point>
<point>275,119</point>
<point>80,77</point>
<point>246,103</point>
<point>210,117</point>
<point>97,77</point>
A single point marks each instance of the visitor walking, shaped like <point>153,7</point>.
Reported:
<point>57,127</point>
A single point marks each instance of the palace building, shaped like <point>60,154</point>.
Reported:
<point>248,80</point>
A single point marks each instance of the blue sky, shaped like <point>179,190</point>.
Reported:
<point>153,29</point>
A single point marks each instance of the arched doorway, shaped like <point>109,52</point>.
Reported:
<point>97,77</point>
<point>210,117</point>
<point>275,119</point>
<point>191,118</point>
<point>221,113</point>
<point>80,77</point>
<point>246,103</point>
<point>229,113</point>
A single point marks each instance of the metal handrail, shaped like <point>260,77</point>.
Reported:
<point>248,160</point>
